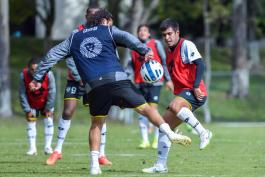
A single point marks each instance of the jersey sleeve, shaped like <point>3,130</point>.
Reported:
<point>22,95</point>
<point>189,52</point>
<point>71,65</point>
<point>52,92</point>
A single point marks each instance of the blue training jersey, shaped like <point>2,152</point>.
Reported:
<point>94,52</point>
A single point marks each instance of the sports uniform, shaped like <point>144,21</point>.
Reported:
<point>37,103</point>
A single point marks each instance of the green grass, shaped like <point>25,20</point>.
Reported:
<point>234,151</point>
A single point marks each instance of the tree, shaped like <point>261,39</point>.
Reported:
<point>45,10</point>
<point>240,64</point>
<point>206,20</point>
<point>5,92</point>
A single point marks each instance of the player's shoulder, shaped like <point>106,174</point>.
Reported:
<point>188,44</point>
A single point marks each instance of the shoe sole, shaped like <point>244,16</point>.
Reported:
<point>184,140</point>
<point>154,172</point>
<point>34,154</point>
<point>52,163</point>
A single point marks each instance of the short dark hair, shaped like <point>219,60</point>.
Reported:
<point>100,15</point>
<point>33,60</point>
<point>169,22</point>
<point>143,25</point>
<point>90,12</point>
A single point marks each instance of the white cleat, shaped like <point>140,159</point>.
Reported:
<point>95,171</point>
<point>32,152</point>
<point>177,138</point>
<point>48,151</point>
<point>157,168</point>
<point>205,139</point>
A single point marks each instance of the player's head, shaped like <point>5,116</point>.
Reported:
<point>143,32</point>
<point>33,64</point>
<point>90,12</point>
<point>170,31</point>
<point>102,17</point>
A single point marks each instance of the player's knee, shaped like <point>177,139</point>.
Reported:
<point>67,114</point>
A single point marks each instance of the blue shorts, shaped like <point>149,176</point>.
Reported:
<point>73,91</point>
<point>189,96</point>
<point>151,93</point>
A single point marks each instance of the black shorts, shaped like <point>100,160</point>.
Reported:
<point>151,93</point>
<point>189,96</point>
<point>120,93</point>
<point>73,91</point>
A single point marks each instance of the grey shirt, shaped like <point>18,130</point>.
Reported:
<point>51,95</point>
<point>62,50</point>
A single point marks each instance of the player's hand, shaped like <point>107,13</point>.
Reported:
<point>149,55</point>
<point>198,93</point>
<point>48,113</point>
<point>29,115</point>
<point>34,85</point>
<point>170,86</point>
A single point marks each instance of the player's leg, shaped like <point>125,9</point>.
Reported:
<point>31,132</point>
<point>143,123</point>
<point>133,99</point>
<point>155,129</point>
<point>94,143</point>
<point>164,145</point>
<point>103,160</point>
<point>184,105</point>
<point>71,97</point>
<point>48,133</point>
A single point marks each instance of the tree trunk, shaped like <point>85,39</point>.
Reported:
<point>206,20</point>
<point>5,91</point>
<point>240,65</point>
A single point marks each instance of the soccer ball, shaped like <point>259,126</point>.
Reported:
<point>152,71</point>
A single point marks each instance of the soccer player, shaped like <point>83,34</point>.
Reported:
<point>151,92</point>
<point>73,91</point>
<point>186,68</point>
<point>94,52</point>
<point>37,103</point>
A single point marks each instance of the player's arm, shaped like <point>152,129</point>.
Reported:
<point>71,65</point>
<point>51,94</point>
<point>124,38</point>
<point>57,53</point>
<point>23,96</point>
<point>193,56</point>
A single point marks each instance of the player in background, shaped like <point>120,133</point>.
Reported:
<point>186,68</point>
<point>37,103</point>
<point>151,92</point>
<point>73,91</point>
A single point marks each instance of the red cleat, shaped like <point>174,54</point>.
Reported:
<point>104,161</point>
<point>53,158</point>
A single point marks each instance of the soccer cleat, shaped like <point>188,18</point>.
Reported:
<point>176,138</point>
<point>32,152</point>
<point>48,150</point>
<point>53,158</point>
<point>102,160</point>
<point>157,168</point>
<point>205,139</point>
<point>155,143</point>
<point>144,145</point>
<point>95,171</point>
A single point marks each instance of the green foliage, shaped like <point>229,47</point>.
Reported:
<point>21,10</point>
<point>235,150</point>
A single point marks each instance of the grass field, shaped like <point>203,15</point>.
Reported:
<point>237,150</point>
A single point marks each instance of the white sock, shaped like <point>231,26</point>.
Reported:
<point>48,131</point>
<point>164,128</point>
<point>187,116</point>
<point>31,131</point>
<point>94,155</point>
<point>143,124</point>
<point>103,140</point>
<point>63,128</point>
<point>156,133</point>
<point>163,148</point>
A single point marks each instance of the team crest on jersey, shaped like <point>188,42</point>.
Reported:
<point>90,47</point>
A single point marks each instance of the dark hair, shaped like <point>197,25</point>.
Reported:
<point>143,25</point>
<point>90,12</point>
<point>33,60</point>
<point>100,15</point>
<point>167,23</point>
